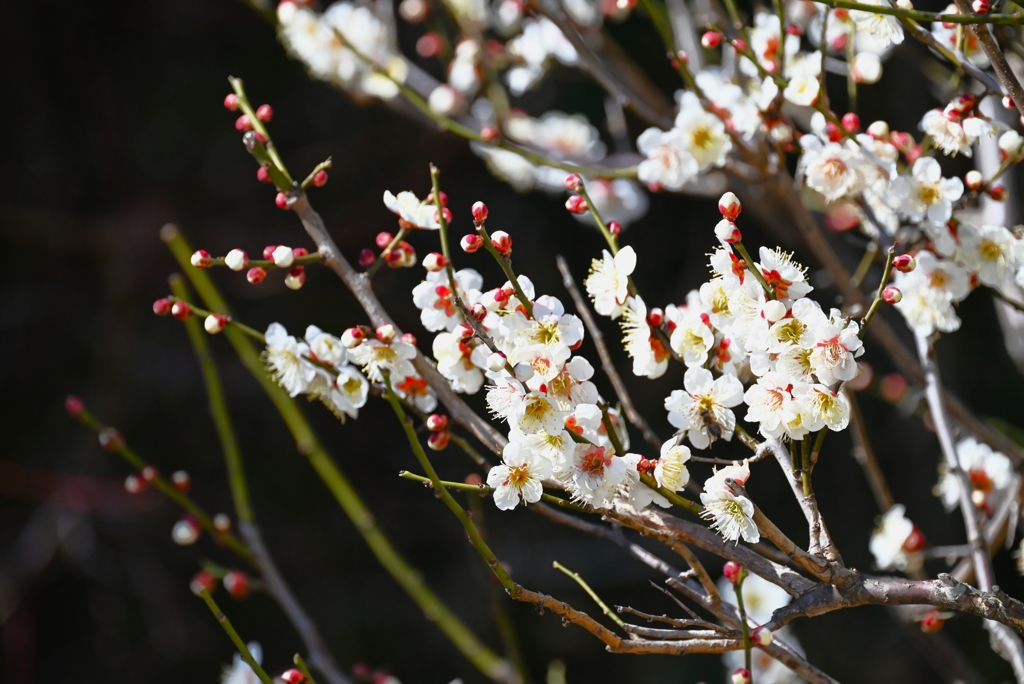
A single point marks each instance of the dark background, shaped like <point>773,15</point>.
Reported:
<point>112,126</point>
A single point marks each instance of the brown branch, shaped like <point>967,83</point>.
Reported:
<point>361,288</point>
<point>681,624</point>
<point>995,55</point>
<point>607,364</point>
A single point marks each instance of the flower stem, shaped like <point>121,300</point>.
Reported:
<point>235,639</point>
<point>474,535</point>
<point>591,593</point>
<point>747,645</point>
<point>322,166</point>
<point>1012,19</point>
<point>890,255</point>
<point>680,501</point>
<point>257,125</point>
<point>506,266</point>
<point>303,668</point>
<point>613,241</point>
<point>752,267</point>
<point>375,266</point>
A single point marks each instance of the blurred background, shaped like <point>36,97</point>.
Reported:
<point>112,127</point>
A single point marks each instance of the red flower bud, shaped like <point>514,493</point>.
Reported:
<point>263,175</point>
<point>256,275</point>
<point>367,257</point>
<point>730,207</point>
<point>576,204</point>
<point>851,122</point>
<point>915,541</point>
<point>904,263</point>
<point>711,39</point>
<point>437,422</point>
<point>231,102</point>
<point>148,473</point>
<point>931,622</point>
<point>242,123</point>
<point>296,278</point>
<point>320,178</point>
<point>201,259</point>
<point>293,676</point>
<point>202,580</point>
<point>479,212</point>
<point>974,180</point>
<point>488,133</point>
<point>573,182</point>
<point>471,243</point>
<point>430,198</point>
<point>268,252</point>
<point>892,295</point>
<point>386,332</point>
<point>133,484</point>
<point>237,584</point>
<point>437,441</point>
<point>740,676</point>
<point>162,306</point>
<point>615,228</point>
<point>408,338</point>
<point>981,6</point>
<point>732,571</point>
<point>264,113</point>
<point>181,310</point>
<point>111,439</point>
<point>502,242</point>
<point>383,239</point>
<point>281,200</point>
<point>181,481</point>
<point>997,192</point>
<point>73,405</point>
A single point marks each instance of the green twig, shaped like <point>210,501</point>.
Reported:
<point>237,640</point>
<point>303,668</point>
<point>591,593</point>
<point>1012,19</point>
<point>878,295</point>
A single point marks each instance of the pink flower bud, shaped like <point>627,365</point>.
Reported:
<point>682,57</point>
<point>479,212</point>
<point>383,239</point>
<point>264,113</point>
<point>215,323</point>
<point>488,133</point>
<point>293,676</point>
<point>974,180</point>
<point>263,175</point>
<point>740,676</point>
<point>711,39</point>
<point>794,30</point>
<point>300,252</point>
<point>904,263</point>
<point>202,580</point>
<point>296,278</point>
<point>915,541</point>
<point>463,331</point>
<point>352,338</point>
<point>221,522</point>
<point>732,571</point>
<point>739,44</point>
<point>201,259</point>
<point>901,141</point>
<point>283,256</point>
<point>434,262</point>
<point>437,441</point>
<point>891,295</point>
<point>728,232</point>
<point>408,338</point>
<point>162,306</point>
<point>281,200</point>
<point>242,123</point>
<point>495,361</point>
<point>149,474</point>
<point>181,310</point>
<point>576,204</point>
<point>74,406</point>
<point>851,122</point>
<point>437,422</point>
<point>981,6</point>
<point>997,192</point>
<point>730,207</point>
<point>573,182</point>
<point>471,243</point>
<point>502,242</point>
<point>256,275</point>
<point>133,484</point>
<point>1008,102</point>
<point>260,137</point>
<point>879,130</point>
<point>428,45</point>
<point>185,532</point>
<point>367,257</point>
<point>761,636</point>
<point>231,102</point>
<point>181,481</point>
<point>237,584</point>
<point>615,228</point>
<point>320,179</point>
<point>385,333</point>
<point>931,622</point>
<point>913,154</point>
<point>430,198</point>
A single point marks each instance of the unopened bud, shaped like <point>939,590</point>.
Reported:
<point>740,676</point>
<point>263,175</point>
<point>202,580</point>
<point>181,310</point>
<point>256,275</point>
<point>149,474</point>
<point>656,316</point>
<point>573,182</point>
<point>502,242</point>
<point>495,361</point>
<point>231,102</point>
<point>901,141</point>
<point>293,676</point>
<point>201,258</point>
<point>615,228</point>
<point>352,338</point>
<point>761,636</point>
<point>385,333</point>
<point>891,295</point>
<point>997,192</point>
<point>730,207</point>
<point>367,257</point>
<point>522,371</point>
<point>974,180</point>
<point>463,331</point>
<point>133,484</point>
<point>437,422</point>
<point>181,481</point>
<point>215,323</point>
<point>242,123</point>
<point>732,571</point>
<point>221,522</point>
<point>488,133</point>
<point>1008,102</point>
<point>576,204</point>
<point>774,310</point>
<point>281,200</point>
<point>931,622</point>
<point>981,6</point>
<point>739,44</point>
<point>264,113</point>
<point>915,541</point>
<point>879,130</point>
<point>283,256</point>
<point>711,39</point>
<point>478,311</point>
<point>437,441</point>
<point>471,243</point>
<point>435,261</point>
<point>851,122</point>
<point>320,179</point>
<point>237,584</point>
<point>162,306</point>
<point>383,239</point>
<point>73,405</point>
<point>904,263</point>
<point>728,232</point>
<point>408,338</point>
<point>185,532</point>
<point>479,212</point>
<point>296,278</point>
<point>236,260</point>
<point>442,195</point>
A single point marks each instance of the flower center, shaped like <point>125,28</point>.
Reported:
<point>929,194</point>
<point>990,251</point>
<point>517,476</point>
<point>595,461</point>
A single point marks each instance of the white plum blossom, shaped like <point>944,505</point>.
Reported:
<point>668,164</point>
<point>703,134</point>
<point>670,471</point>
<point>889,539</point>
<point>692,337</point>
<point>597,474</point>
<point>770,404</point>
<point>377,357</point>
<point>436,301</point>
<point>287,360</point>
<point>520,477</point>
<point>886,29</point>
<point>540,41</point>
<point>947,135</point>
<point>409,208</point>
<point>803,86</point>
<point>704,410</point>
<point>650,358</point>
<point>608,282</point>
<point>460,363</point>
<point>347,393</point>
<point>925,194</point>
<point>929,293</point>
<point>990,252</point>
<point>990,472</point>
<point>831,169</point>
<point>325,347</point>
<point>786,277</point>
<point>731,514</point>
<point>836,347</point>
<point>820,407</point>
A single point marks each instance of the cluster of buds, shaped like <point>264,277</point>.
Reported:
<point>440,435</point>
<point>727,231</point>
<point>576,204</point>
<point>398,255</point>
<point>137,483</point>
<point>274,256</point>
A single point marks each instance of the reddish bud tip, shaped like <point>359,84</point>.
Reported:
<point>732,571</point>
<point>931,622</point>
<point>281,200</point>
<point>573,182</point>
<point>479,212</point>
<point>263,175</point>
<point>435,261</point>
<point>761,636</point>
<point>408,338</point>
<point>974,180</point>
<point>430,198</point>
<point>133,484</point>
<point>794,30</point>
<point>892,295</point>
<point>576,204</point>
<point>437,422</point>
<point>201,259</point>
<point>293,676</point>
<point>181,310</point>
<point>904,263</point>
<point>615,228</point>
<point>488,133</point>
<point>320,178</point>
<point>296,278</point>
<point>73,405</point>
<point>162,306</point>
<point>242,123</point>
<point>385,333</point>
<point>711,39</point>
<point>981,6</point>
<point>149,473</point>
<point>437,441</point>
<point>231,102</point>
<point>728,232</point>
<point>739,44</point>
<point>1008,102</point>
<point>502,242</point>
<point>111,439</point>
<point>997,192</point>
<point>202,580</point>
<point>383,239</point>
<point>740,676</point>
<point>730,207</point>
<point>915,541</point>
<point>185,532</point>
<point>471,243</point>
<point>463,331</point>
<point>268,252</point>
<point>851,122</point>
<point>367,257</point>
<point>264,113</point>
<point>236,260</point>
<point>237,584</point>
<point>256,275</point>
<point>181,481</point>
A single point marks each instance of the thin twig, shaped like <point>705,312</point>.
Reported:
<point>229,629</point>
